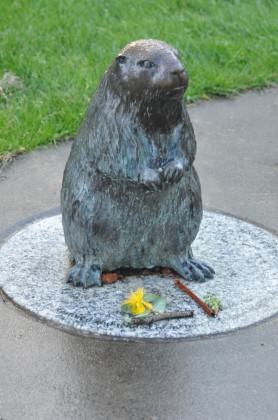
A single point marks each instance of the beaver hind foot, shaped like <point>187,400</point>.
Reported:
<point>193,270</point>
<point>197,270</point>
<point>85,275</point>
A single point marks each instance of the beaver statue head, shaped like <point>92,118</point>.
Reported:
<point>149,69</point>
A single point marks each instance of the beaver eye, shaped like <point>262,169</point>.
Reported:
<point>121,59</point>
<point>146,64</point>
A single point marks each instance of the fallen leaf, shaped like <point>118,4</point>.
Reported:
<point>166,271</point>
<point>109,278</point>
<point>10,81</point>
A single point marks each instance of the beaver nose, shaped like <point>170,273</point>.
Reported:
<point>180,75</point>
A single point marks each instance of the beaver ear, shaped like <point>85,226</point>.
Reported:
<point>176,52</point>
<point>121,59</point>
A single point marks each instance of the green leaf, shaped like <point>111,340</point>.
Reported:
<point>125,308</point>
<point>144,314</point>
<point>213,302</point>
<point>160,304</point>
<point>127,319</point>
<point>151,297</point>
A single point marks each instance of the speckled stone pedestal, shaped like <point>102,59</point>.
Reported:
<point>34,261</point>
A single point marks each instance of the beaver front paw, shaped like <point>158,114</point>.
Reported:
<point>85,275</point>
<point>174,171</point>
<point>150,179</point>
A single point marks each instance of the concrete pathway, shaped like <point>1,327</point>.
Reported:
<point>47,374</point>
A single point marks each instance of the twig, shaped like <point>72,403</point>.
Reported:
<point>159,317</point>
<point>196,299</point>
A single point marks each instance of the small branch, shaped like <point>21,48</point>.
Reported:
<point>159,317</point>
<point>196,299</point>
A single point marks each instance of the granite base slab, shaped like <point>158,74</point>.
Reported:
<point>34,263</point>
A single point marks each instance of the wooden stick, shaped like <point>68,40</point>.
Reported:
<point>159,317</point>
<point>196,299</point>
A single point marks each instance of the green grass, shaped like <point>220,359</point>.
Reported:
<point>60,48</point>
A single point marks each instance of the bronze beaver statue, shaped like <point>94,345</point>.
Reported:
<point>131,196</point>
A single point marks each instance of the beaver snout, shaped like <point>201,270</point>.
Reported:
<point>180,77</point>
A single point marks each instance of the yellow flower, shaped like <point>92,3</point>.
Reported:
<point>137,303</point>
